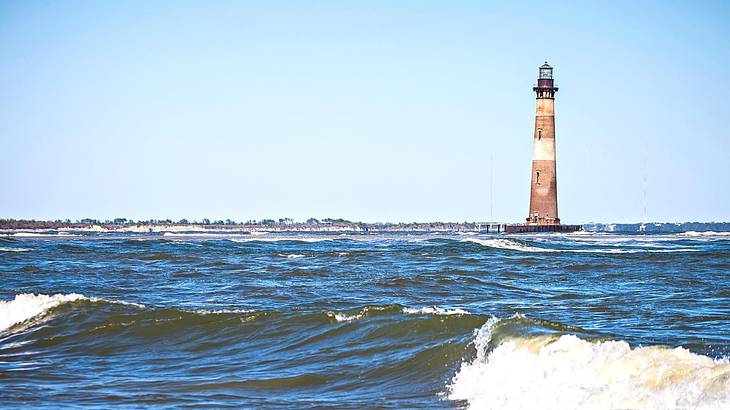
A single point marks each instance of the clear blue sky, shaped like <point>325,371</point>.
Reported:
<point>372,111</point>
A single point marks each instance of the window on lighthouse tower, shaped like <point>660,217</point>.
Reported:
<point>537,177</point>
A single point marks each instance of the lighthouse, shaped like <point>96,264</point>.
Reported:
<point>543,213</point>
<point>544,181</point>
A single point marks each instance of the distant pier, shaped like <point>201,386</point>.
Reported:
<point>541,228</point>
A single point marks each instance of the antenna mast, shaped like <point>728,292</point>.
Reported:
<point>491,188</point>
<point>646,166</point>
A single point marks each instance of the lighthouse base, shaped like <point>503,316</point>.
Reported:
<point>541,228</point>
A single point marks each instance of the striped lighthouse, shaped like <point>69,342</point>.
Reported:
<point>544,184</point>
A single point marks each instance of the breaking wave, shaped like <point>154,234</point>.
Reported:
<point>221,311</point>
<point>27,306</point>
<point>291,255</point>
<point>549,370</point>
<point>507,244</point>
<point>435,310</point>
<point>202,234</point>
<point>3,249</point>
<point>282,239</point>
<point>511,244</point>
<point>519,363</point>
<point>704,233</point>
<point>42,235</point>
<point>348,316</point>
<point>344,317</point>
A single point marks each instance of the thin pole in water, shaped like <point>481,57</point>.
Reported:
<point>646,166</point>
<point>491,188</point>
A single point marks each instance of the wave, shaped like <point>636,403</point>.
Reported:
<point>519,362</point>
<point>704,233</point>
<point>344,317</point>
<point>435,310</point>
<point>507,244</point>
<point>27,306</point>
<point>3,249</point>
<point>361,313</point>
<point>366,311</point>
<point>291,255</point>
<point>645,240</point>
<point>283,239</point>
<point>42,235</point>
<point>203,234</point>
<point>511,244</point>
<point>564,371</point>
<point>221,311</point>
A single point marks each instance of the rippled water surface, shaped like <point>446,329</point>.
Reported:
<point>365,320</point>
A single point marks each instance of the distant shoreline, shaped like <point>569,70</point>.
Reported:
<point>14,226</point>
<point>251,228</point>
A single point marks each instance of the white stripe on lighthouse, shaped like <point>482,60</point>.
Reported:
<point>544,150</point>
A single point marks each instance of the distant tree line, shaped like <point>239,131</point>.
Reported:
<point>67,223</point>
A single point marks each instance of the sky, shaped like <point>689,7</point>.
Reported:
<point>378,111</point>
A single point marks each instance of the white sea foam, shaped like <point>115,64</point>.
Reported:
<point>624,250</point>
<point>347,317</point>
<point>581,233</point>
<point>435,310</point>
<point>705,233</point>
<point>202,234</point>
<point>643,240</point>
<point>500,243</point>
<point>43,234</point>
<point>282,238</point>
<point>291,255</point>
<point>3,249</point>
<point>27,306</point>
<point>566,372</point>
<point>344,317</point>
<point>221,311</point>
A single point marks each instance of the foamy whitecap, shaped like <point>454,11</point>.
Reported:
<point>203,235</point>
<point>510,244</point>
<point>43,234</point>
<point>291,255</point>
<point>281,239</point>
<point>347,317</point>
<point>435,310</point>
<point>344,317</point>
<point>3,249</point>
<point>566,372</point>
<point>221,311</point>
<point>27,306</point>
<point>499,243</point>
<point>705,233</point>
<point>622,250</point>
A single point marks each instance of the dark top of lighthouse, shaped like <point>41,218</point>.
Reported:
<point>545,86</point>
<point>546,71</point>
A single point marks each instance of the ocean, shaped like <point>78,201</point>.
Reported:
<point>296,321</point>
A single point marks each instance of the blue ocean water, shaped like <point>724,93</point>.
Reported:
<point>584,320</point>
